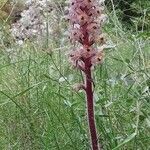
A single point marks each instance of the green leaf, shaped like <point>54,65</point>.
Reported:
<point>128,139</point>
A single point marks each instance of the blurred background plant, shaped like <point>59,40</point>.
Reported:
<point>134,14</point>
<point>10,10</point>
<point>34,21</point>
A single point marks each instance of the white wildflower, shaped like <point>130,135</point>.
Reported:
<point>33,20</point>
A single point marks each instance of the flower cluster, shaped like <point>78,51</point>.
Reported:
<point>86,18</point>
<point>33,20</point>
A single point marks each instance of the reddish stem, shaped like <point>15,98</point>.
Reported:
<point>90,107</point>
<point>89,93</point>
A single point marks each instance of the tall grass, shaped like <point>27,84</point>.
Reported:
<point>39,110</point>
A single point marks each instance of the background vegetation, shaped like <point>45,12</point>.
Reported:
<point>134,14</point>
<point>39,109</point>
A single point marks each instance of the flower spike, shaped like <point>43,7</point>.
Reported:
<point>86,18</point>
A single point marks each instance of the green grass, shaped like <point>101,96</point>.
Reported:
<point>38,112</point>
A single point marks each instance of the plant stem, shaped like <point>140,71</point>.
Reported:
<point>90,107</point>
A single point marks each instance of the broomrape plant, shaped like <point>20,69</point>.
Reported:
<point>86,18</point>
